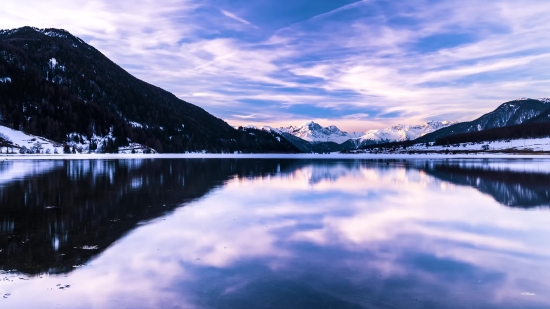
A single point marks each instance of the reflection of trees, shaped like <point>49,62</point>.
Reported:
<point>510,188</point>
<point>47,218</point>
<point>58,208</point>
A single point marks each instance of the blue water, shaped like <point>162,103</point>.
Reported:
<point>275,233</point>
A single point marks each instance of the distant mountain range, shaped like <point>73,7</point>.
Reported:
<point>519,119</point>
<point>312,137</point>
<point>54,85</point>
<point>511,120</point>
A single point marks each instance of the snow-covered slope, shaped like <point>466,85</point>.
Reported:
<point>315,133</point>
<point>14,141</point>
<point>402,132</point>
<point>30,142</point>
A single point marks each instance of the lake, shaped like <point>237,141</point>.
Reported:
<point>275,233</point>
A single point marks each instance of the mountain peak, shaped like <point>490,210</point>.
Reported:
<point>311,125</point>
<point>315,133</point>
<point>401,132</point>
<point>544,100</point>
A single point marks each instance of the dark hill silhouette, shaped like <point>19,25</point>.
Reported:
<point>507,114</point>
<point>58,84</point>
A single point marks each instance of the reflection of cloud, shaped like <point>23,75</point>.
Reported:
<point>364,231</point>
<point>10,170</point>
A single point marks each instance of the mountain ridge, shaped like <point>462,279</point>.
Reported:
<point>509,113</point>
<point>60,86</point>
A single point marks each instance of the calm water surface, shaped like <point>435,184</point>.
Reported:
<point>224,233</point>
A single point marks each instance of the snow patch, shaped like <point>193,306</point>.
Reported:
<point>135,124</point>
<point>544,100</point>
<point>53,63</point>
<point>28,143</point>
<point>5,79</point>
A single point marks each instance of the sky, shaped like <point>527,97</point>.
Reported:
<point>358,65</point>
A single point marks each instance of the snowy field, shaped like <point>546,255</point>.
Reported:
<point>29,141</point>
<point>535,144</point>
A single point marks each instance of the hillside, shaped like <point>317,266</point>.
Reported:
<point>54,85</point>
<point>507,114</point>
<point>520,131</point>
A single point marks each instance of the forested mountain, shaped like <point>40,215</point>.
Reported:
<point>53,84</point>
<point>507,114</point>
<point>520,131</point>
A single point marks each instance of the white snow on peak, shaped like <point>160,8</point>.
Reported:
<point>315,133</point>
<point>404,132</point>
<point>5,79</point>
<point>544,100</point>
<point>53,33</point>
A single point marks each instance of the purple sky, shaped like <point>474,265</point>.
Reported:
<point>355,64</point>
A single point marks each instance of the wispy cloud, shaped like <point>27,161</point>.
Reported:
<point>414,61</point>
<point>237,18</point>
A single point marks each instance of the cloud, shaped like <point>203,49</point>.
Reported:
<point>443,61</point>
<point>237,18</point>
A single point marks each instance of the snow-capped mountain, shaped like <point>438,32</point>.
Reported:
<point>315,133</point>
<point>401,133</point>
<point>310,136</point>
<point>507,114</point>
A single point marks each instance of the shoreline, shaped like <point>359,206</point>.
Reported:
<point>351,156</point>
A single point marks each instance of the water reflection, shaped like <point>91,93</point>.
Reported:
<point>53,214</point>
<point>275,234</point>
<point>513,188</point>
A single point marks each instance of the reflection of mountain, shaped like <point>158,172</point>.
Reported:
<point>52,219</point>
<point>510,188</point>
<point>53,214</point>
